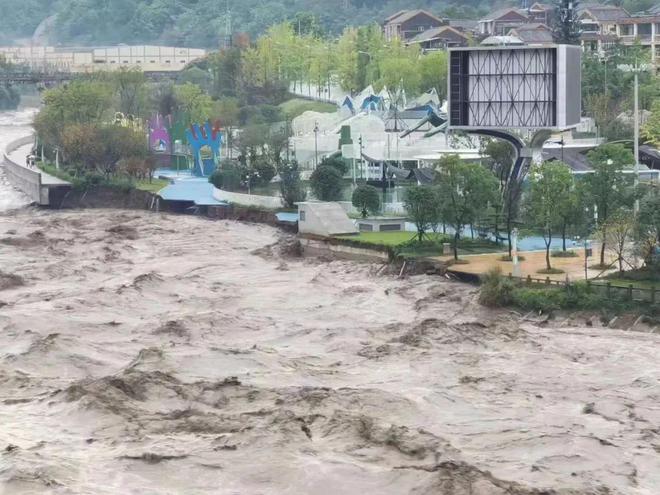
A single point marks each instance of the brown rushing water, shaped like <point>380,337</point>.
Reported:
<point>151,354</point>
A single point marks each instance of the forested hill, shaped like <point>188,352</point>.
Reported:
<point>201,23</point>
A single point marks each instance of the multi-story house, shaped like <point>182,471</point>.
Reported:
<point>440,38</point>
<point>407,24</point>
<point>604,25</point>
<point>500,22</point>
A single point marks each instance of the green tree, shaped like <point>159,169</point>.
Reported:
<point>433,73</point>
<point>608,188</point>
<point>130,87</point>
<point>291,187</point>
<point>227,112</point>
<point>651,129</point>
<point>399,67</point>
<point>337,162</point>
<point>647,235</point>
<point>306,23</point>
<point>501,157</point>
<point>197,76</point>
<point>326,183</point>
<point>617,233</point>
<point>193,102</point>
<point>366,199</point>
<point>567,28</point>
<point>348,57</point>
<point>550,183</point>
<point>225,67</point>
<point>571,210</point>
<point>91,147</point>
<point>421,203</point>
<point>84,103</point>
<point>466,190</point>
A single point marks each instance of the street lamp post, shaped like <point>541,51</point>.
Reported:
<point>316,145</point>
<point>635,69</point>
<point>361,162</point>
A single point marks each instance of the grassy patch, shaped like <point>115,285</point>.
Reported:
<point>499,291</point>
<point>154,186</point>
<point>551,271</point>
<point>565,254</point>
<point>384,238</point>
<point>509,259</point>
<point>297,106</point>
<point>598,266</point>
<point>92,179</point>
<point>406,244</point>
<point>458,262</point>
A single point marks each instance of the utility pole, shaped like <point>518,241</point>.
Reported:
<point>228,34</point>
<point>636,138</point>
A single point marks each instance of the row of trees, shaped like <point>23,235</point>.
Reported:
<point>607,90</point>
<point>554,204</point>
<point>358,57</point>
<point>203,22</point>
<point>78,121</point>
<point>9,95</point>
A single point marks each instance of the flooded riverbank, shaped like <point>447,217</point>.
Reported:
<point>147,353</point>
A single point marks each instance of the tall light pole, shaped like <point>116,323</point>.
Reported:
<point>316,144</point>
<point>635,69</point>
<point>636,135</point>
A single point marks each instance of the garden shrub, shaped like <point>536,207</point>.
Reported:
<point>228,178</point>
<point>326,183</point>
<point>337,162</point>
<point>496,290</point>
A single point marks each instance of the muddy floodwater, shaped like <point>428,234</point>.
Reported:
<point>152,354</point>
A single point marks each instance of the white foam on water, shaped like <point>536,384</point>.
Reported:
<point>13,125</point>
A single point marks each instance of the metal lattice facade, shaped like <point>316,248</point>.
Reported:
<point>513,87</point>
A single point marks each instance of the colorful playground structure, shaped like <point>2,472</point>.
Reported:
<point>201,153</point>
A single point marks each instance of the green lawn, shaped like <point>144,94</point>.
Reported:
<point>382,238</point>
<point>154,186</point>
<point>296,106</point>
<point>624,282</point>
<point>430,247</point>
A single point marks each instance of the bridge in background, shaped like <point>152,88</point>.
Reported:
<point>40,76</point>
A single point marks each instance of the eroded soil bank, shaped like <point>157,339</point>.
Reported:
<point>145,353</point>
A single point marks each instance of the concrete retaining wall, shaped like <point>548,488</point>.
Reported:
<point>28,181</point>
<point>318,247</point>
<point>247,199</point>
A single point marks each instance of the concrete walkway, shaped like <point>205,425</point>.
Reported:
<point>18,157</point>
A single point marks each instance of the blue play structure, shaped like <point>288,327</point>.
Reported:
<point>372,103</point>
<point>205,144</point>
<point>348,103</point>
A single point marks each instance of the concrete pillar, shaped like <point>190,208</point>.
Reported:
<point>635,30</point>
